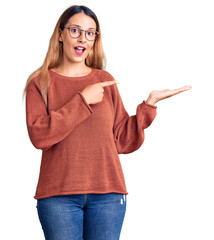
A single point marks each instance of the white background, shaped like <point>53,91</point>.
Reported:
<point>149,45</point>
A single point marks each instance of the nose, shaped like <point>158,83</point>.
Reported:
<point>82,37</point>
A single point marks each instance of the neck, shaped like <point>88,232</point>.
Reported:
<point>73,69</point>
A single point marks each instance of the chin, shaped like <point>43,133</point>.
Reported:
<point>77,58</point>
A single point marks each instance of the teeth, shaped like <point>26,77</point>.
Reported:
<point>80,48</point>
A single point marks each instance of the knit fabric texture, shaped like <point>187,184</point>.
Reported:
<point>80,142</point>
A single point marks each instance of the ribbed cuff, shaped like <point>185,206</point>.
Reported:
<point>150,105</point>
<point>84,100</point>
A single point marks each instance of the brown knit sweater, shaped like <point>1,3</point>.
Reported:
<point>80,142</point>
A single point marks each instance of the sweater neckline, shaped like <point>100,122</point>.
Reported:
<point>73,78</point>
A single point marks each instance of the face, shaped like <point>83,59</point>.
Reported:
<point>85,22</point>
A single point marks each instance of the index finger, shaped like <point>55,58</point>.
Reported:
<point>108,83</point>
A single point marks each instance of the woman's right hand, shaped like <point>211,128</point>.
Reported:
<point>94,93</point>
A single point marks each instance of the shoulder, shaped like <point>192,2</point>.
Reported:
<point>34,84</point>
<point>105,75</point>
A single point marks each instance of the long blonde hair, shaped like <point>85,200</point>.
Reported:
<point>95,59</point>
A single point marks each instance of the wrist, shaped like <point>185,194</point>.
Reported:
<point>151,101</point>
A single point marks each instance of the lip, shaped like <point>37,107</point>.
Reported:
<point>80,46</point>
<point>80,53</point>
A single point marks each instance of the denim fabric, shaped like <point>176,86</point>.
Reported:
<point>82,216</point>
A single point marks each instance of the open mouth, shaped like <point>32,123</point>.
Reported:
<point>79,50</point>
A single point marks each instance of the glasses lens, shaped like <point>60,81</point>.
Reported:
<point>91,35</point>
<point>74,32</point>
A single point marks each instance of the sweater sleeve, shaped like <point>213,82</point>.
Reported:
<point>129,130</point>
<point>46,129</point>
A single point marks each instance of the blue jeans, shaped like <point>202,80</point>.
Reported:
<point>82,216</point>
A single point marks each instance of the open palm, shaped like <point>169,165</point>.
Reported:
<point>158,95</point>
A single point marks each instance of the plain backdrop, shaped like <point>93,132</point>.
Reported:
<point>149,45</point>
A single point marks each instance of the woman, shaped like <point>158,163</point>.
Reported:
<point>75,114</point>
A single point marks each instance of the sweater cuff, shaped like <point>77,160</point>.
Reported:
<point>84,100</point>
<point>149,105</point>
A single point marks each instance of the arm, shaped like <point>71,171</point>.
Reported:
<point>45,129</point>
<point>129,130</point>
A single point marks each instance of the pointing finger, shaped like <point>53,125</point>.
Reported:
<point>108,83</point>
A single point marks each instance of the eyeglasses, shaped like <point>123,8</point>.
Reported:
<point>76,32</point>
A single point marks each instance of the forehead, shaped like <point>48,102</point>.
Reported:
<point>82,20</point>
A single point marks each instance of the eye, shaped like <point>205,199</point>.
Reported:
<point>74,30</point>
<point>90,33</point>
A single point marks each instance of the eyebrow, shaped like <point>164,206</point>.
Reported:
<point>79,26</point>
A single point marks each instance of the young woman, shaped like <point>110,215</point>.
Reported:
<point>75,114</point>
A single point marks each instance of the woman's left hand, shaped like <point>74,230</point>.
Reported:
<point>158,95</point>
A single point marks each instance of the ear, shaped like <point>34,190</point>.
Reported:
<point>60,35</point>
